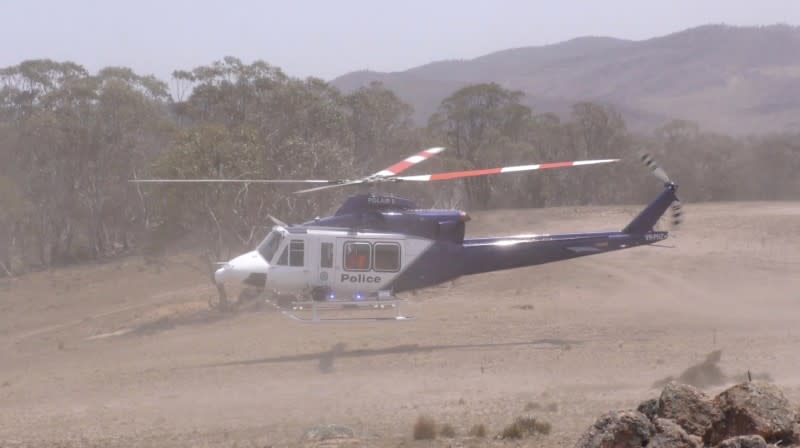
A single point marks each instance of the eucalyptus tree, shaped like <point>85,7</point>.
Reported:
<point>477,122</point>
<point>72,141</point>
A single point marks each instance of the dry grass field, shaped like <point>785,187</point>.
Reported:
<point>127,353</point>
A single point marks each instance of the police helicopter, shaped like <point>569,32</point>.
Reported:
<point>375,246</point>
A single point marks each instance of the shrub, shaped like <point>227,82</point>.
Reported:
<point>525,426</point>
<point>532,406</point>
<point>447,431</point>
<point>478,430</point>
<point>425,428</point>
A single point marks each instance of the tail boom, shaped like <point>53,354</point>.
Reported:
<point>446,260</point>
<point>494,254</point>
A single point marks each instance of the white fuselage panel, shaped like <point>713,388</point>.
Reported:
<point>346,263</point>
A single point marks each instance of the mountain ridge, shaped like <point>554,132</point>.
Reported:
<point>728,79</point>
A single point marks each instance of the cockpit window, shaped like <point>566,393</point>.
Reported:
<point>293,254</point>
<point>270,244</point>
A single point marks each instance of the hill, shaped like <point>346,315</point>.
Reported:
<point>729,79</point>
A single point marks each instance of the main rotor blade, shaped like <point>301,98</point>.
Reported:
<point>232,181</point>
<point>335,185</point>
<point>508,169</point>
<point>277,221</point>
<point>408,162</point>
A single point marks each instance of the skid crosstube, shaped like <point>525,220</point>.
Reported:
<point>318,308</point>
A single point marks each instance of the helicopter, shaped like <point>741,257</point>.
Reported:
<point>376,246</point>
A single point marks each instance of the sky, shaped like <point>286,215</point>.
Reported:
<point>330,38</point>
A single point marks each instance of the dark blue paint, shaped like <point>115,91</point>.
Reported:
<point>376,203</point>
<point>652,213</point>
<point>445,261</point>
<point>395,215</point>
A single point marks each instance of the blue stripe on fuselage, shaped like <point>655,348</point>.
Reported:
<point>444,261</point>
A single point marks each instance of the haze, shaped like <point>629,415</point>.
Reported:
<point>327,39</point>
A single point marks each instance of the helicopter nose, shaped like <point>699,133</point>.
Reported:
<point>249,267</point>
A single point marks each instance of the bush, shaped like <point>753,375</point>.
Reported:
<point>447,431</point>
<point>425,428</point>
<point>525,426</point>
<point>478,430</point>
<point>532,406</point>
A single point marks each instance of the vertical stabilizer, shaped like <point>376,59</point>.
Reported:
<point>648,218</point>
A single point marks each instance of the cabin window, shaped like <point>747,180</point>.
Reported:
<point>387,257</point>
<point>296,253</point>
<point>326,255</point>
<point>357,256</point>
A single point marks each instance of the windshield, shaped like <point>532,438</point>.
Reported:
<point>270,244</point>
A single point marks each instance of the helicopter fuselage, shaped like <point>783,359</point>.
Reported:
<point>384,244</point>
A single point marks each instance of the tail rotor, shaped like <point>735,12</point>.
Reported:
<point>659,172</point>
<point>676,208</point>
<point>677,213</point>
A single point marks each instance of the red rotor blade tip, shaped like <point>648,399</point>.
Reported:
<point>508,169</point>
<point>408,162</point>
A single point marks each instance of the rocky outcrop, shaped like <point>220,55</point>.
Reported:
<point>747,415</point>
<point>670,435</point>
<point>692,409</point>
<point>744,442</point>
<point>620,429</point>
<point>649,408</point>
<point>752,409</point>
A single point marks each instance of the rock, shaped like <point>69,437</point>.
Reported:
<point>744,442</point>
<point>796,427</point>
<point>670,435</point>
<point>796,432</point>
<point>327,432</point>
<point>649,408</point>
<point>752,408</point>
<point>690,408</point>
<point>697,440</point>
<point>620,429</point>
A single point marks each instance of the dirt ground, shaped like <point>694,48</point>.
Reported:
<point>127,353</point>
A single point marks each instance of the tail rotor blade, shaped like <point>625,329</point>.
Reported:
<point>676,208</point>
<point>649,162</point>
<point>677,213</point>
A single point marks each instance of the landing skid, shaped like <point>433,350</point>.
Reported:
<point>310,311</point>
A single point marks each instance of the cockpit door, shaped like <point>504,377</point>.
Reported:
<point>291,271</point>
